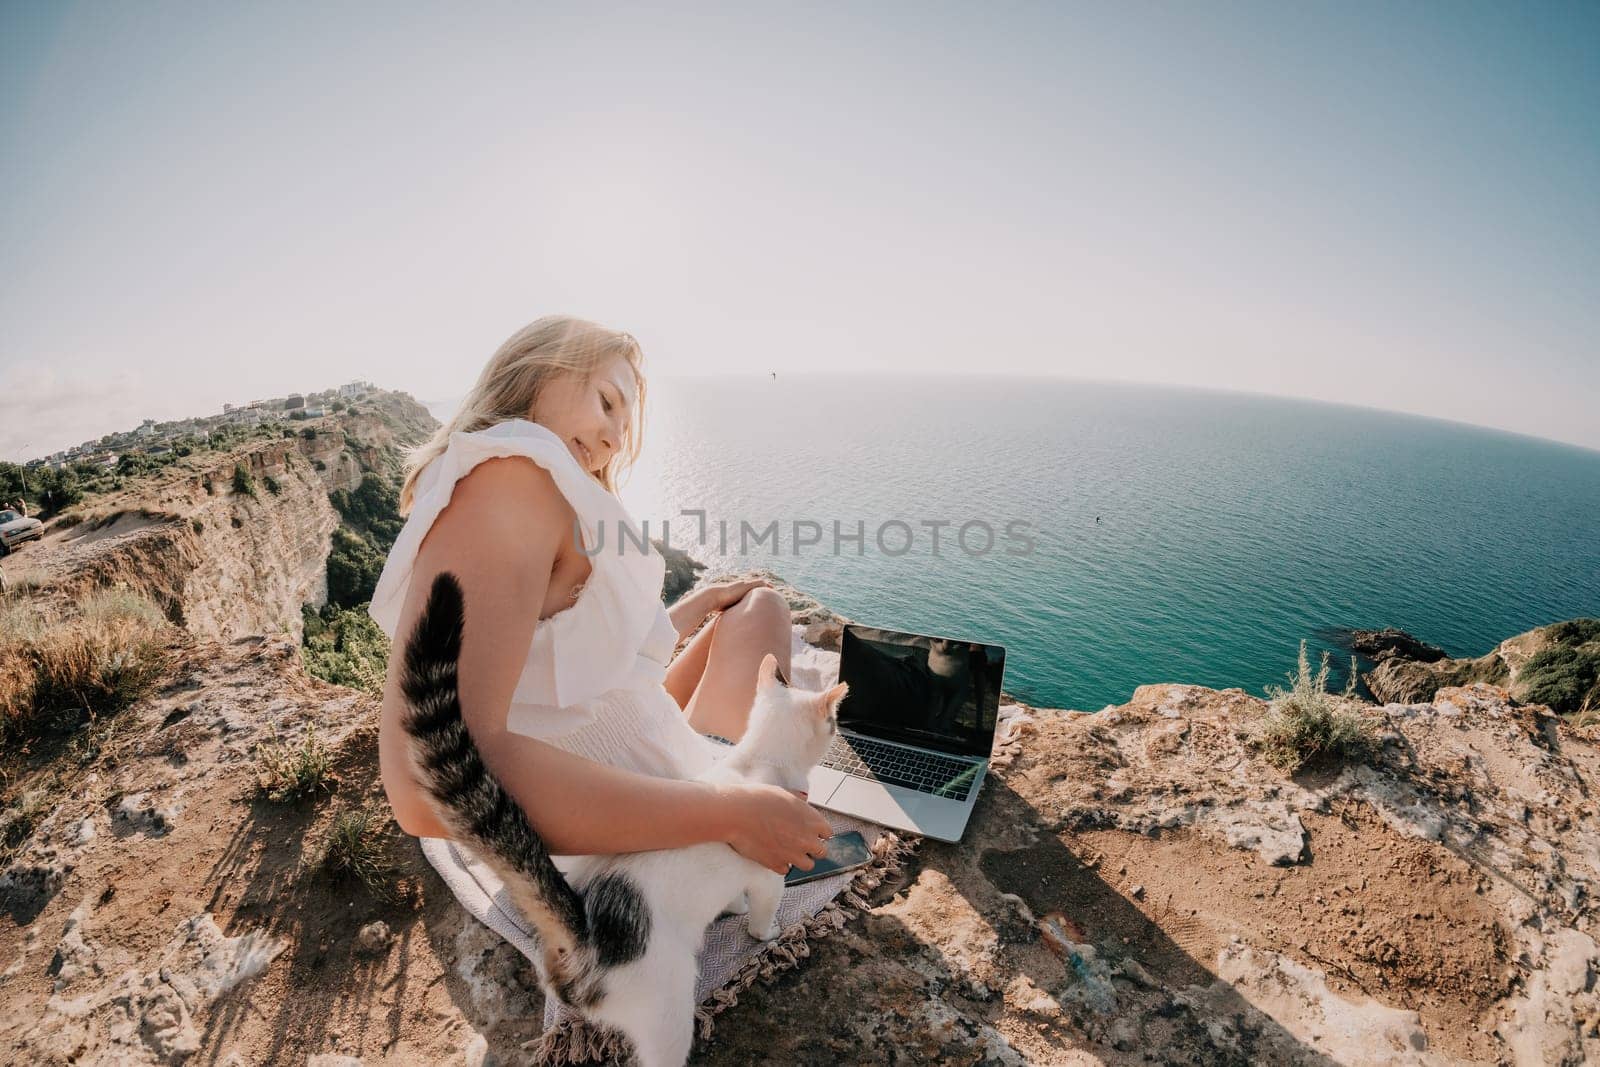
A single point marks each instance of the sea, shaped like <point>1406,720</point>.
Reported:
<point>1111,535</point>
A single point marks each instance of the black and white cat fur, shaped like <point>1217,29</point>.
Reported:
<point>619,941</point>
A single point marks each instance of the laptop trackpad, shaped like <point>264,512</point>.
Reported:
<point>822,784</point>
<point>887,804</point>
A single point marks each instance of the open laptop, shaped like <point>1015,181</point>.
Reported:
<point>915,730</point>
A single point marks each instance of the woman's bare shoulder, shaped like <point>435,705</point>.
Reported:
<point>502,502</point>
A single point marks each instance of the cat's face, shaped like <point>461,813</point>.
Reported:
<point>803,722</point>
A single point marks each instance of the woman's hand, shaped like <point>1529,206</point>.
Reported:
<point>691,610</point>
<point>725,595</point>
<point>774,827</point>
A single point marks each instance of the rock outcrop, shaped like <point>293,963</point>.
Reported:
<point>1136,886</point>
<point>222,562</point>
<point>1408,670</point>
<point>1389,643</point>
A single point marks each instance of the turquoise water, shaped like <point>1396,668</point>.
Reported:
<point>1230,526</point>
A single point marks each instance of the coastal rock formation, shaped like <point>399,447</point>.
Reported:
<point>682,571</point>
<point>1389,643</point>
<point>1137,886</point>
<point>1409,670</point>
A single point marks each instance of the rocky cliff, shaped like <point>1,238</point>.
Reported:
<point>228,559</point>
<point>1137,886</point>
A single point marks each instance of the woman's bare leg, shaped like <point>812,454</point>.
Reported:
<point>759,623</point>
<point>684,672</point>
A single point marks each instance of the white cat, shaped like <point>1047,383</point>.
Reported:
<point>619,942</point>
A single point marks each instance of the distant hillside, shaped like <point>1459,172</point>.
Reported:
<point>82,477</point>
<point>233,537</point>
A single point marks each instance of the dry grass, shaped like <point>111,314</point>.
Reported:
<point>56,668</point>
<point>18,821</point>
<point>1305,725</point>
<point>293,772</point>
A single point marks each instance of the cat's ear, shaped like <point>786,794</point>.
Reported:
<point>829,703</point>
<point>769,672</point>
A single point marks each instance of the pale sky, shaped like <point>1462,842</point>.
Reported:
<point>1394,205</point>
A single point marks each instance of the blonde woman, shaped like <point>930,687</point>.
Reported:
<point>568,682</point>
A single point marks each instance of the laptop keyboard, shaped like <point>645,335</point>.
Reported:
<point>926,772</point>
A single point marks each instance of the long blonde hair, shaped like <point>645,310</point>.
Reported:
<point>519,369</point>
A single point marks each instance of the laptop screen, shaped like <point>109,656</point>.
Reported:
<point>936,692</point>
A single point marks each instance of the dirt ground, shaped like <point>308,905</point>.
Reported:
<point>1135,887</point>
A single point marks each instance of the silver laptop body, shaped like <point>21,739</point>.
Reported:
<point>915,730</point>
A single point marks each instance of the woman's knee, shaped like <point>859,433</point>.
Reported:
<point>759,607</point>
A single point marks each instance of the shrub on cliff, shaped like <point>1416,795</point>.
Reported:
<point>242,482</point>
<point>358,845</point>
<point>373,509</point>
<point>353,569</point>
<point>55,669</point>
<point>345,647</point>
<point>1565,674</point>
<point>1305,725</point>
<point>287,773</point>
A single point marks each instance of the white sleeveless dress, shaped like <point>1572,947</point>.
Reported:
<point>592,681</point>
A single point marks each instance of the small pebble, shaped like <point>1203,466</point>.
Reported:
<point>373,938</point>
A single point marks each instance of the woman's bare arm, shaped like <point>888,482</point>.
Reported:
<point>691,608</point>
<point>500,535</point>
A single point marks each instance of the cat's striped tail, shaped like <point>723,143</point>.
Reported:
<point>474,806</point>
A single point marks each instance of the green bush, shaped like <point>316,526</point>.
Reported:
<point>1564,675</point>
<point>272,485</point>
<point>345,647</point>
<point>12,477</point>
<point>1564,678</point>
<point>1305,725</point>
<point>50,491</point>
<point>242,482</point>
<point>373,509</point>
<point>1574,631</point>
<point>358,845</point>
<point>353,569</point>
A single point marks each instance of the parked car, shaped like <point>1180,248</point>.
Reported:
<point>15,529</point>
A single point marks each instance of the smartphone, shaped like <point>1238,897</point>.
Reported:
<point>846,851</point>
